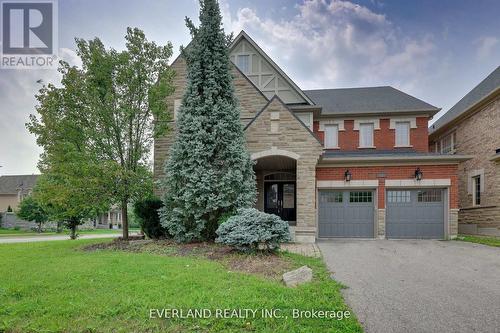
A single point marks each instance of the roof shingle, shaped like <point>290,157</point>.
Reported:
<point>483,89</point>
<point>12,184</point>
<point>367,100</point>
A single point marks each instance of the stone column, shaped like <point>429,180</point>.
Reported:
<point>381,223</point>
<point>452,223</point>
<point>305,231</point>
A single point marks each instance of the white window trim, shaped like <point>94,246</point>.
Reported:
<point>243,54</point>
<point>396,134</point>
<point>453,143</point>
<point>373,137</point>
<point>374,121</point>
<point>473,180</point>
<point>338,122</point>
<point>332,147</point>
<point>470,183</point>
<point>394,120</point>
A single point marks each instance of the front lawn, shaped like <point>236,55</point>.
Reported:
<point>491,241</point>
<point>58,286</point>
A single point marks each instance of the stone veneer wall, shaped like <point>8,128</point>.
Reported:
<point>291,136</point>
<point>251,102</point>
<point>452,223</point>
<point>478,135</point>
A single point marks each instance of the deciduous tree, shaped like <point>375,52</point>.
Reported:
<point>107,113</point>
<point>31,210</point>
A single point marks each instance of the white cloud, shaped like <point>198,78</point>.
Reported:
<point>485,46</point>
<point>339,43</point>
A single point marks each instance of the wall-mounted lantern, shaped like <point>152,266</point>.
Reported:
<point>418,174</point>
<point>347,175</point>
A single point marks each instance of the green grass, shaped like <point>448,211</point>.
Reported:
<point>491,241</point>
<point>22,233</point>
<point>57,287</point>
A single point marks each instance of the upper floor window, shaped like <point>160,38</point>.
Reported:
<point>448,143</point>
<point>402,133</point>
<point>243,63</point>
<point>476,190</point>
<point>331,136</point>
<point>366,135</point>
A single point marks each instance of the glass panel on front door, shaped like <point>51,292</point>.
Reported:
<point>288,195</point>
<point>272,196</point>
<point>280,200</point>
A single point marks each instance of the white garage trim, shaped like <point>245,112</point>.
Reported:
<point>417,183</point>
<point>350,184</point>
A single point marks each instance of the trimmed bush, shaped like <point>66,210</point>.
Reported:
<point>146,212</point>
<point>250,228</point>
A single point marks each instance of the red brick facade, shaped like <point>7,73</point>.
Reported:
<point>394,172</point>
<point>384,138</point>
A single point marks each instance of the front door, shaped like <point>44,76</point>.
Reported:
<point>280,200</point>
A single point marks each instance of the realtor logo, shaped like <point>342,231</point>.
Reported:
<point>29,34</point>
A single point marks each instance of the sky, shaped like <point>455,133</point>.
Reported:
<point>434,50</point>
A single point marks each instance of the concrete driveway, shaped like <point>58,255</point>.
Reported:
<point>418,285</point>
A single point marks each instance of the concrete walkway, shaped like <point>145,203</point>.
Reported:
<point>305,249</point>
<point>418,286</point>
<point>28,239</point>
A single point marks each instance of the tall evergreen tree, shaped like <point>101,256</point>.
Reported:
<point>209,171</point>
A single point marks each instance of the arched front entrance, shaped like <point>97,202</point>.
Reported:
<point>277,186</point>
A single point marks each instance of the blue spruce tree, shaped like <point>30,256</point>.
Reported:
<point>209,171</point>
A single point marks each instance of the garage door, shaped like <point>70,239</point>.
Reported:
<point>415,213</point>
<point>346,213</point>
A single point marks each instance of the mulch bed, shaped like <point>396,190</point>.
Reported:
<point>269,265</point>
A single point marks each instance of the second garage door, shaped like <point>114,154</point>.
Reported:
<point>415,213</point>
<point>346,213</point>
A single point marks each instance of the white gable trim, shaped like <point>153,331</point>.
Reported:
<point>299,91</point>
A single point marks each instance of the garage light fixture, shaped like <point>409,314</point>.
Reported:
<point>347,175</point>
<point>418,174</point>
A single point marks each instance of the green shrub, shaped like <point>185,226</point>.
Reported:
<point>250,228</point>
<point>9,209</point>
<point>149,220</point>
<point>224,217</point>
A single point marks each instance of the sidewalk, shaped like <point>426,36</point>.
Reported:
<point>27,239</point>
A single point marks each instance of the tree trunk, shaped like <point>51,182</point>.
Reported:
<point>73,231</point>
<point>125,219</point>
<point>39,227</point>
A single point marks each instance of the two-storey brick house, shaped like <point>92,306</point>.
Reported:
<point>472,127</point>
<point>336,162</point>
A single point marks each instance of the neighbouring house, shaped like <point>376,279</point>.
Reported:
<point>336,162</point>
<point>472,127</point>
<point>109,220</point>
<point>13,189</point>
